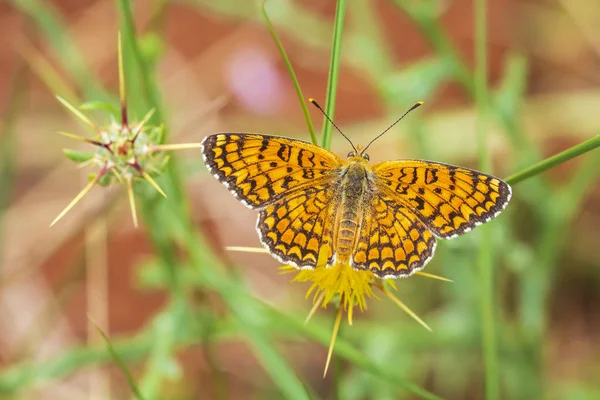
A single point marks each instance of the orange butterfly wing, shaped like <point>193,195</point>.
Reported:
<point>260,170</point>
<point>450,200</point>
<point>393,242</point>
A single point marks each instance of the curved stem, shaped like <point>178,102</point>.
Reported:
<point>555,160</point>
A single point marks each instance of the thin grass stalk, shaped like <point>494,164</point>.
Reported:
<point>148,85</point>
<point>555,160</point>
<point>334,67</point>
<point>166,325</point>
<point>485,259</point>
<point>119,361</point>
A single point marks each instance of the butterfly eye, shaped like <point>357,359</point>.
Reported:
<point>351,154</point>
<point>366,157</point>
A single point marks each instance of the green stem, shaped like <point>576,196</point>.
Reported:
<point>148,85</point>
<point>555,160</point>
<point>288,64</point>
<point>334,68</point>
<point>486,250</point>
<point>120,363</point>
<point>153,206</point>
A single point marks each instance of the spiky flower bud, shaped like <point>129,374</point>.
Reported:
<point>124,151</point>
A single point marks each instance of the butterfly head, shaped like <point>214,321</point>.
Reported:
<point>358,153</point>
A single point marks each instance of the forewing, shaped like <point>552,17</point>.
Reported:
<point>295,228</point>
<point>261,169</point>
<point>393,242</point>
<point>450,200</point>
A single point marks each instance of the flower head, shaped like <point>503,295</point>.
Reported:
<point>125,151</point>
<point>341,282</point>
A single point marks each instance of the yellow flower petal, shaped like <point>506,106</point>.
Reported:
<point>316,305</point>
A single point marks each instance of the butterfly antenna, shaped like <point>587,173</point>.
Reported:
<point>314,103</point>
<point>417,105</point>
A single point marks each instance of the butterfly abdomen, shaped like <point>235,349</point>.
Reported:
<point>346,233</point>
<point>353,187</point>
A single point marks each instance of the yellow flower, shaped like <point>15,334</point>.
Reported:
<point>352,287</point>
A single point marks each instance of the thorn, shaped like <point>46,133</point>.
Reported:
<point>80,196</point>
<point>122,93</point>
<point>432,276</point>
<point>153,183</point>
<point>143,122</point>
<point>181,146</point>
<point>78,114</point>
<point>118,175</point>
<point>404,307</point>
<point>247,249</point>
<point>318,301</point>
<point>350,309</point>
<point>336,328</point>
<point>76,137</point>
<point>83,139</point>
<point>132,201</point>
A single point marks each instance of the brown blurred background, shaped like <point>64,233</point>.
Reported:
<point>219,70</point>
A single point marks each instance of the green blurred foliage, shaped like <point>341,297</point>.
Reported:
<point>382,356</point>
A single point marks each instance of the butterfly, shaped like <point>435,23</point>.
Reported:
<point>383,218</point>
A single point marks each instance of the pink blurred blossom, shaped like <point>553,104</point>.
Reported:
<point>255,81</point>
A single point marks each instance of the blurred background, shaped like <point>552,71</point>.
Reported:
<point>230,325</point>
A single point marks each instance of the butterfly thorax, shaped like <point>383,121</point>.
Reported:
<point>353,191</point>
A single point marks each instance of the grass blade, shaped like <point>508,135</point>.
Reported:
<point>555,160</point>
<point>334,68</point>
<point>129,39</point>
<point>115,356</point>
<point>486,258</point>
